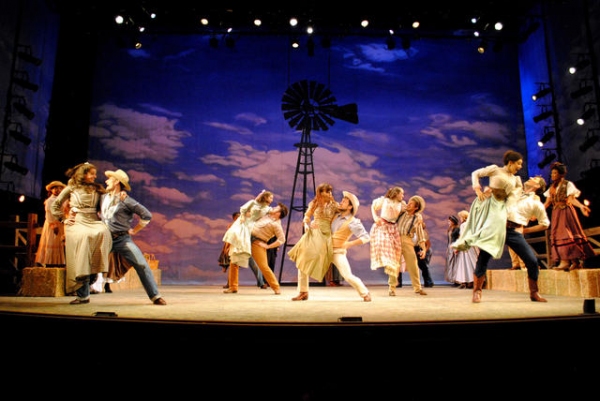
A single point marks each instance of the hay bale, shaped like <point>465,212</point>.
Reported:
<point>43,282</point>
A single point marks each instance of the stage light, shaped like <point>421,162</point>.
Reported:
<point>580,65</point>
<point>16,131</point>
<point>548,134</point>
<point>482,47</point>
<point>543,91</point>
<point>543,115</point>
<point>295,43</point>
<point>21,107</point>
<point>588,113</point>
<point>590,140</point>
<point>25,55</point>
<point>582,91</point>
<point>547,160</point>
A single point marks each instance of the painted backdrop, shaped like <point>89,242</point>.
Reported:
<point>200,131</point>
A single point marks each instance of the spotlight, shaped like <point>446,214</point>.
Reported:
<point>547,160</point>
<point>482,47</point>
<point>588,113</point>
<point>580,65</point>
<point>543,115</point>
<point>590,140</point>
<point>582,91</point>
<point>544,90</point>
<point>547,136</point>
<point>295,43</point>
<point>25,55</point>
<point>16,131</point>
<point>21,107</point>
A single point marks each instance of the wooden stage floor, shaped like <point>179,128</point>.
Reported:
<point>256,344</point>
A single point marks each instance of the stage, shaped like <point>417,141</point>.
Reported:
<point>332,345</point>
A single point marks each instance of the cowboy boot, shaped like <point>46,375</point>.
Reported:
<point>533,291</point>
<point>477,288</point>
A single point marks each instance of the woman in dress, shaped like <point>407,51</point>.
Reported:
<point>464,261</point>
<point>239,234</point>
<point>386,246</point>
<point>87,239</point>
<point>452,234</point>
<point>51,249</point>
<point>313,253</point>
<point>486,225</point>
<point>568,243</point>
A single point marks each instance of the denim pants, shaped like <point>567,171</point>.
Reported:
<point>517,242</point>
<point>125,246</point>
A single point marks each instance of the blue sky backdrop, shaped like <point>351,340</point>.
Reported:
<point>200,131</point>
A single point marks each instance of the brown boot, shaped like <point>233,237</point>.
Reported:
<point>477,288</point>
<point>303,296</point>
<point>533,291</point>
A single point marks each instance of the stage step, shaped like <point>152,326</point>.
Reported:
<point>583,283</point>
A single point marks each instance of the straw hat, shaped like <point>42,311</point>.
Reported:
<point>420,201</point>
<point>54,184</point>
<point>121,176</point>
<point>354,200</point>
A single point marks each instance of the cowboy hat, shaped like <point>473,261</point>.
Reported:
<point>420,201</point>
<point>121,176</point>
<point>55,184</point>
<point>353,200</point>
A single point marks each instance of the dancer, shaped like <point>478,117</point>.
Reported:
<point>486,225</point>
<point>51,248</point>
<point>568,243</point>
<point>117,211</point>
<point>240,232</point>
<point>263,230</point>
<point>87,239</point>
<point>464,261</point>
<point>313,253</point>
<point>343,227</point>
<point>410,224</point>
<point>519,215</point>
<point>386,248</point>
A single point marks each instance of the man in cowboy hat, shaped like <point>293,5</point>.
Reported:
<point>410,223</point>
<point>344,226</point>
<point>117,211</point>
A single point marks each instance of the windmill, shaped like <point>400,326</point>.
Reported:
<point>309,106</point>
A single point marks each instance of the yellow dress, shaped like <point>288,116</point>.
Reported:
<point>313,253</point>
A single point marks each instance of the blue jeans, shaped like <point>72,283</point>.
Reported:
<point>517,242</point>
<point>125,246</point>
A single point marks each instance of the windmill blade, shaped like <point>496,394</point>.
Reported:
<point>319,124</point>
<point>348,112</point>
<point>294,122</point>
<point>326,117</point>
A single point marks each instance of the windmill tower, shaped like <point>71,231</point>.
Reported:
<point>308,106</point>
